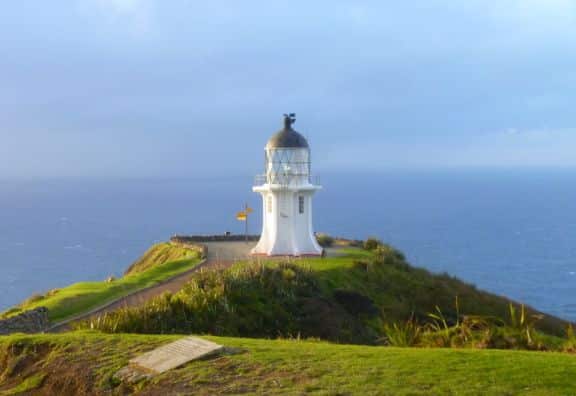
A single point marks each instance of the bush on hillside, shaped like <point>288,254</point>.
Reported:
<point>387,255</point>
<point>570,344</point>
<point>324,240</point>
<point>355,303</point>
<point>372,243</point>
<point>470,331</point>
<point>329,299</point>
<point>249,301</point>
<point>361,265</point>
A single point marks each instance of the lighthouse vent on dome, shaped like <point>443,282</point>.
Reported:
<point>287,137</point>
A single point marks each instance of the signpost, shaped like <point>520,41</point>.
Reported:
<point>243,216</point>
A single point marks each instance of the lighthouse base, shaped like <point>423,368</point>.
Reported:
<point>287,221</point>
<point>286,255</point>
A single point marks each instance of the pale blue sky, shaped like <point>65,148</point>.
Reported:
<point>95,88</point>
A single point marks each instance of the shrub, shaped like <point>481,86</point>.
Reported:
<point>252,300</point>
<point>324,240</point>
<point>405,334</point>
<point>355,303</point>
<point>361,265</point>
<point>523,324</point>
<point>387,255</point>
<point>372,243</point>
<point>441,331</point>
<point>570,343</point>
<point>356,243</point>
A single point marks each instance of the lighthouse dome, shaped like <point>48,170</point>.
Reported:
<point>287,137</point>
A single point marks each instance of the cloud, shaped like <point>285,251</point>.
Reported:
<point>135,15</point>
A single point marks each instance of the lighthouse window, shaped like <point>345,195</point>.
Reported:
<point>301,204</point>
<point>269,204</point>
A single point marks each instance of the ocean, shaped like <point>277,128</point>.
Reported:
<point>510,232</point>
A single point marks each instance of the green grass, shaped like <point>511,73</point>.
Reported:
<point>286,367</point>
<point>82,297</point>
<point>356,299</point>
<point>29,384</point>
<point>401,291</point>
<point>163,253</point>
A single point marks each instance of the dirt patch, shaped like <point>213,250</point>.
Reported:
<point>19,362</point>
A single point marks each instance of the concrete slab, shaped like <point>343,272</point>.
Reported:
<point>229,251</point>
<point>175,354</point>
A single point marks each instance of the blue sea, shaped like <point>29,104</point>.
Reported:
<point>509,232</point>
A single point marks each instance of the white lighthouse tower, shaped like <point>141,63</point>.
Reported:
<point>287,191</point>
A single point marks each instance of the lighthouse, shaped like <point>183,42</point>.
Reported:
<point>287,190</point>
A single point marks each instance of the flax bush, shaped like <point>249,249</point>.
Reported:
<point>253,300</point>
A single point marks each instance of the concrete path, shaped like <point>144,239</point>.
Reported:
<point>229,251</point>
<point>220,255</point>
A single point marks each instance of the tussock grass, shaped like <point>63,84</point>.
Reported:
<point>280,300</point>
<point>365,297</point>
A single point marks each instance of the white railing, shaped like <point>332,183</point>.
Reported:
<point>285,179</point>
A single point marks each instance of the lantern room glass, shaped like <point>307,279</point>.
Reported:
<point>287,166</point>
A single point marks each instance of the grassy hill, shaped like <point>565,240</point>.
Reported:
<point>84,363</point>
<point>289,309</point>
<point>163,253</point>
<point>361,297</point>
<point>160,262</point>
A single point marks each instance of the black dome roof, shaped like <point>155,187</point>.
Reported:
<point>287,137</point>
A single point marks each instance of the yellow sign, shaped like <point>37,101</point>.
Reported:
<point>241,216</point>
<point>249,210</point>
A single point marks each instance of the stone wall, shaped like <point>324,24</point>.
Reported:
<point>213,238</point>
<point>33,321</point>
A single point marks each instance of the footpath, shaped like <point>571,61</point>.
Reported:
<point>220,255</point>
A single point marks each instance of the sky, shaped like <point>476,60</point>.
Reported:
<point>150,88</point>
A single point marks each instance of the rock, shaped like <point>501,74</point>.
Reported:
<point>33,321</point>
<point>168,357</point>
<point>175,354</point>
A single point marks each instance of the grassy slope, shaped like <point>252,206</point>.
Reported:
<point>84,296</point>
<point>329,302</point>
<point>163,253</point>
<point>400,290</point>
<point>280,367</point>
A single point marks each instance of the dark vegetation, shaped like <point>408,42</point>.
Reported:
<point>372,243</point>
<point>325,240</point>
<point>368,296</point>
<point>260,301</point>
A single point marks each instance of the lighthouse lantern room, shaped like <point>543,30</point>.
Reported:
<point>287,189</point>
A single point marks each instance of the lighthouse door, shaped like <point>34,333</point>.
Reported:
<point>284,206</point>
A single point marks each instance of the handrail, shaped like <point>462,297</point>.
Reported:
<point>288,179</point>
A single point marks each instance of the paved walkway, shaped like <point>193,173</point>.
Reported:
<point>220,255</point>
